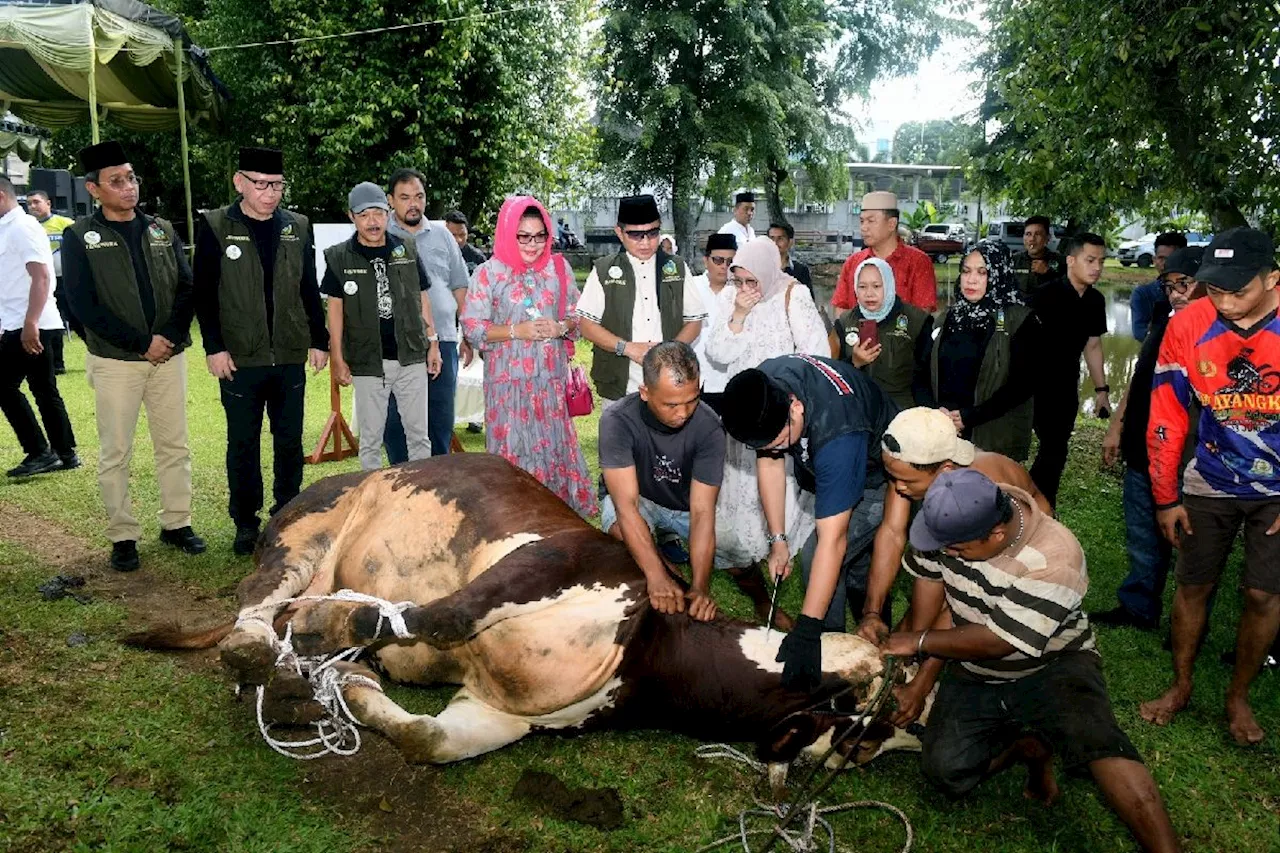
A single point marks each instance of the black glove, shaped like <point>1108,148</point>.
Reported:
<point>801,652</point>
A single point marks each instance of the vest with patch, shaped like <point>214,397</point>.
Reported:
<point>1009,434</point>
<point>242,305</point>
<point>895,368</point>
<point>361,326</point>
<point>111,266</point>
<point>608,371</point>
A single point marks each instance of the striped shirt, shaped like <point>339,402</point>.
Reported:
<point>1028,595</point>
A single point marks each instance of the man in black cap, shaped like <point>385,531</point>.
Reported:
<point>829,417</point>
<point>634,299</point>
<point>744,208</point>
<point>261,319</point>
<point>1024,680</point>
<point>716,258</point>
<point>129,284</point>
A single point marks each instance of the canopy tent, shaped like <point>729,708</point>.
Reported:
<point>20,139</point>
<point>64,62</point>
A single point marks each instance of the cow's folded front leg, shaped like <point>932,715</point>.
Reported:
<point>322,627</point>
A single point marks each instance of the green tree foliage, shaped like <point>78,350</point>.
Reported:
<point>695,91</point>
<point>945,142</point>
<point>1138,105</point>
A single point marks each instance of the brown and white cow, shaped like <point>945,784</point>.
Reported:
<point>543,620</point>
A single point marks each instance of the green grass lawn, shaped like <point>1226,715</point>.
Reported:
<point>106,748</point>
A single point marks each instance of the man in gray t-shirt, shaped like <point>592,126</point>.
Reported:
<point>662,454</point>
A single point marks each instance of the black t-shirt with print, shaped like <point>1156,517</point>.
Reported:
<point>377,256</point>
<point>667,461</point>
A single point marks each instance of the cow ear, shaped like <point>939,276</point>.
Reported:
<point>796,731</point>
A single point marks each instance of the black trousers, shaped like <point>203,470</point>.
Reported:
<point>1055,419</point>
<point>16,366</point>
<point>281,391</point>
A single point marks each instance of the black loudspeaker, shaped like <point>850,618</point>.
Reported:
<point>57,183</point>
<point>83,205</point>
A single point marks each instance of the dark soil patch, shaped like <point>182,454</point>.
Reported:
<point>598,807</point>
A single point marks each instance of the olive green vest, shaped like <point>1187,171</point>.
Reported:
<point>242,304</point>
<point>618,279</point>
<point>111,266</point>
<point>1009,434</point>
<point>361,327</point>
<point>895,368</point>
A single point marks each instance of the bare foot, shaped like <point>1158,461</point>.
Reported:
<point>1161,711</point>
<point>1042,784</point>
<point>1240,722</point>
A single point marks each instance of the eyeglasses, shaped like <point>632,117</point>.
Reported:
<point>1179,286</point>
<point>641,236</point>
<point>527,239</point>
<point>746,281</point>
<point>263,186</point>
<point>119,182</point>
<point>718,261</point>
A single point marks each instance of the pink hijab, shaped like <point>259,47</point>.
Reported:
<point>505,247</point>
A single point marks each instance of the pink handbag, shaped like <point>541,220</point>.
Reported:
<point>578,389</point>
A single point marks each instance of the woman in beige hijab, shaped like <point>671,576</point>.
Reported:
<point>763,314</point>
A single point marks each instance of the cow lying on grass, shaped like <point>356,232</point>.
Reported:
<point>543,620</point>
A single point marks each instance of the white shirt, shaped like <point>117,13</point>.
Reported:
<point>715,375</point>
<point>744,234</point>
<point>23,241</point>
<point>646,319</point>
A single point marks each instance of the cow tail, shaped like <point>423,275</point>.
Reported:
<point>171,637</point>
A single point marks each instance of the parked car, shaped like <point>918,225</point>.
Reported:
<point>939,246</point>
<point>945,231</point>
<point>1009,232</point>
<point>1143,250</point>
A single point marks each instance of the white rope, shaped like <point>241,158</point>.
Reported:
<point>798,841</point>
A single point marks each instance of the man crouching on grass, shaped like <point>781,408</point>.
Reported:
<point>1023,679</point>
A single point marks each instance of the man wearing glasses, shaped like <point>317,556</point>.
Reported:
<point>129,284</point>
<point>717,258</point>
<point>1141,594</point>
<point>261,320</point>
<point>635,299</point>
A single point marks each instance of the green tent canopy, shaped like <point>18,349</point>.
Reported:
<point>20,139</point>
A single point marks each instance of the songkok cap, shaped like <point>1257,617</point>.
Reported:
<point>638,210</point>
<point>266,161</point>
<point>753,409</point>
<point>101,156</point>
<point>1185,261</point>
<point>722,242</point>
<point>366,195</point>
<point>961,506</point>
<point>744,197</point>
<point>1235,257</point>
<point>924,436</point>
<point>880,200</point>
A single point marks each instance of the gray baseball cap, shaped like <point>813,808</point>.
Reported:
<point>366,195</point>
<point>960,506</point>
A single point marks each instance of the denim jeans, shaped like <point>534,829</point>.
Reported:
<point>1150,554</point>
<point>661,520</point>
<point>852,585</point>
<point>440,393</point>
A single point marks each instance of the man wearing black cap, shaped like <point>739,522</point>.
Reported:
<point>716,258</point>
<point>1224,353</point>
<point>261,321</point>
<point>1024,680</point>
<point>130,285</point>
<point>635,299</point>
<point>828,416</point>
<point>1141,594</point>
<point>744,207</point>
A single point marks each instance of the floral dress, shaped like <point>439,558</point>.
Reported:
<point>526,417</point>
<point>771,329</point>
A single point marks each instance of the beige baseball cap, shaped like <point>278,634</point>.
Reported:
<point>924,436</point>
<point>880,200</point>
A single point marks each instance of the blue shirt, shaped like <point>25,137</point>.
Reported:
<point>840,472</point>
<point>1141,304</point>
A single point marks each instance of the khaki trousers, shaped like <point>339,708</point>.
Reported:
<point>121,388</point>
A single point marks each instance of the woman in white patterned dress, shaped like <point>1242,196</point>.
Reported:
<point>763,313</point>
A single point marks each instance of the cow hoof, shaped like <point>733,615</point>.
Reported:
<point>250,657</point>
<point>441,626</point>
<point>289,701</point>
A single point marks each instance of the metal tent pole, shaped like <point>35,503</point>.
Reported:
<point>93,82</point>
<point>178,52</point>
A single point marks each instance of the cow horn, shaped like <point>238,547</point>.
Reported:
<point>778,780</point>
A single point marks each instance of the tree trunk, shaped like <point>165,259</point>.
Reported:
<point>684,218</point>
<point>775,174</point>
<point>1224,215</point>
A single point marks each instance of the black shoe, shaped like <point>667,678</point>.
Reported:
<point>37,463</point>
<point>59,371</point>
<point>1120,617</point>
<point>69,462</point>
<point>183,538</point>
<point>474,428</point>
<point>124,556</point>
<point>246,541</point>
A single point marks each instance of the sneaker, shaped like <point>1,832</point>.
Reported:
<point>1120,617</point>
<point>37,463</point>
<point>246,541</point>
<point>70,462</point>
<point>183,538</point>
<point>124,556</point>
<point>474,428</point>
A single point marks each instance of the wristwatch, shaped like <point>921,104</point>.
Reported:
<point>776,537</point>
<point>433,338</point>
<point>620,348</point>
<point>1102,389</point>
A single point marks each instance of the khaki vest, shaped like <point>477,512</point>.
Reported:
<point>242,304</point>
<point>1009,434</point>
<point>111,266</point>
<point>895,368</point>
<point>608,371</point>
<point>361,326</point>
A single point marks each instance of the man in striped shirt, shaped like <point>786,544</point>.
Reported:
<point>1024,679</point>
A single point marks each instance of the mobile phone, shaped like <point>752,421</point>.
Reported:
<point>869,333</point>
